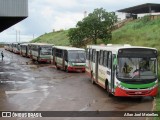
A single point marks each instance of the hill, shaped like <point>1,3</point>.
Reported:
<point>56,38</point>
<point>143,32</point>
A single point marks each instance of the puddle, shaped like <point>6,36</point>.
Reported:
<point>44,87</point>
<point>24,91</point>
<point>7,73</point>
<point>7,81</point>
<point>22,82</point>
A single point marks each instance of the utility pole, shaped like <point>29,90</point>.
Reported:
<point>16,35</point>
<point>19,36</point>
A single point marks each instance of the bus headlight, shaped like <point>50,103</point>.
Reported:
<point>70,64</point>
<point>120,86</point>
<point>156,85</point>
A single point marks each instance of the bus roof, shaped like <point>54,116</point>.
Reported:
<point>68,48</point>
<point>24,44</point>
<point>115,47</point>
<point>16,43</point>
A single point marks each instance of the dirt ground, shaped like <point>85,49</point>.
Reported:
<point>28,86</point>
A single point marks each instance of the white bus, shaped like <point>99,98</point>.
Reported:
<point>24,50</point>
<point>123,70</point>
<point>68,58</point>
<point>7,46</point>
<point>40,52</point>
<point>16,48</point>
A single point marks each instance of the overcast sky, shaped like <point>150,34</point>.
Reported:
<point>46,15</point>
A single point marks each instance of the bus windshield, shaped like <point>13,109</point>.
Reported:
<point>77,56</point>
<point>46,50</point>
<point>137,68</point>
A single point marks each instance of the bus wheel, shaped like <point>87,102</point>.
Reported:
<point>57,67</point>
<point>66,69</point>
<point>92,79</point>
<point>108,92</point>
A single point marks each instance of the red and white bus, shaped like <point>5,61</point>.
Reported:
<point>24,50</point>
<point>123,70</point>
<point>40,52</point>
<point>68,58</point>
<point>16,47</point>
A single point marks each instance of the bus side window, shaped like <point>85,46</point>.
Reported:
<point>93,55</point>
<point>61,53</point>
<point>87,54</point>
<point>65,55</point>
<point>101,57</point>
<point>56,52</point>
<point>90,53</point>
<point>53,51</point>
<point>105,56</point>
<point>109,60</point>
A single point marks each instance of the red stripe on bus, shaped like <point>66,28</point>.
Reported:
<point>121,92</point>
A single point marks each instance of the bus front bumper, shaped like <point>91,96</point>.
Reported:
<point>44,60</point>
<point>76,69</point>
<point>121,92</point>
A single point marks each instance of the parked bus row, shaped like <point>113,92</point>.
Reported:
<point>123,70</point>
<point>65,58</point>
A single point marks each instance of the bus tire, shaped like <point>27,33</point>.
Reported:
<point>107,88</point>
<point>66,69</point>
<point>57,66</point>
<point>38,60</point>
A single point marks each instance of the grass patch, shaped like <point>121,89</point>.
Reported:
<point>56,38</point>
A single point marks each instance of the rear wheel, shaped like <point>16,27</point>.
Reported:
<point>57,67</point>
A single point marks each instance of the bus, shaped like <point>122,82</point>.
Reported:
<point>123,70</point>
<point>6,46</point>
<point>11,47</point>
<point>40,52</point>
<point>68,58</point>
<point>24,50</point>
<point>16,48</point>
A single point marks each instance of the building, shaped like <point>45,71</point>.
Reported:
<point>12,12</point>
<point>140,9</point>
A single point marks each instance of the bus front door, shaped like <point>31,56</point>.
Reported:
<point>112,73</point>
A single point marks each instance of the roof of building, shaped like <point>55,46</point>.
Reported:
<point>143,8</point>
<point>12,12</point>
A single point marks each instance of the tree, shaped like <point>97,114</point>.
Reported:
<point>76,36</point>
<point>97,25</point>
